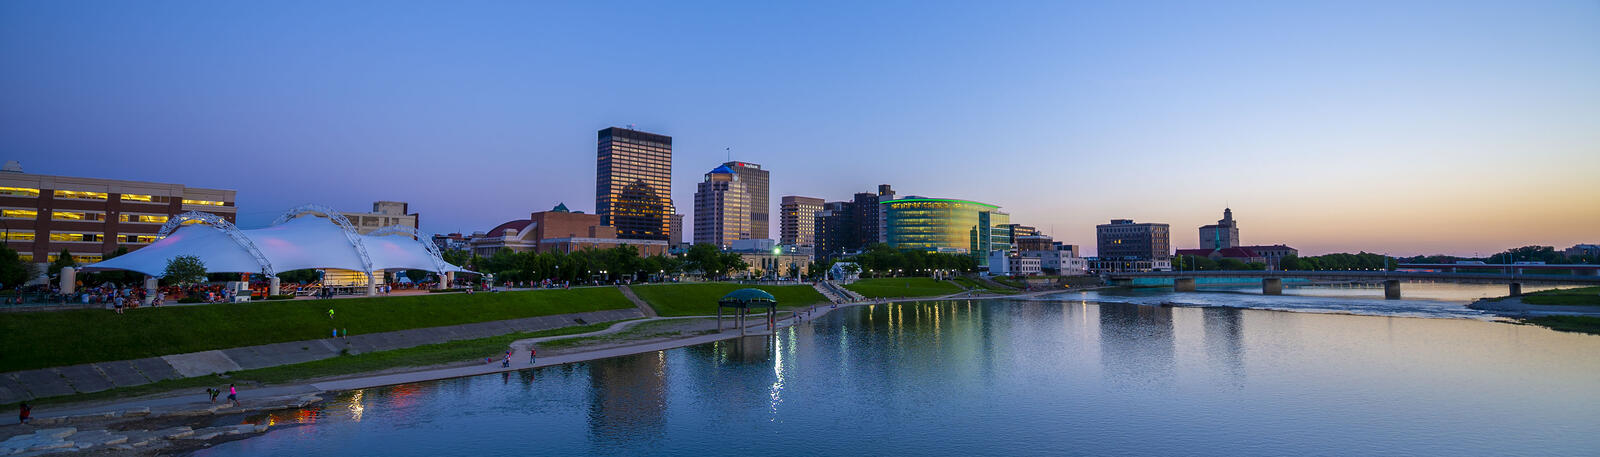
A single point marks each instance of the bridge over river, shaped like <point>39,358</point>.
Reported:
<point>1272,281</point>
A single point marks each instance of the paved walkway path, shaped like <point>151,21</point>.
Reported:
<point>643,307</point>
<point>200,401</point>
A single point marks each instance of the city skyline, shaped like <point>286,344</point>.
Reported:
<point>1399,129</point>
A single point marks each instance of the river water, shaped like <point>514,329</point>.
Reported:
<point>1013,377</point>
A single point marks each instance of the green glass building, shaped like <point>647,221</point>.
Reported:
<point>947,226</point>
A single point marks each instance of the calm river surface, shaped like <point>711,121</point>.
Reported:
<point>1010,377</point>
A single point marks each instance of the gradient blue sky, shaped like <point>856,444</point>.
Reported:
<point>1403,127</point>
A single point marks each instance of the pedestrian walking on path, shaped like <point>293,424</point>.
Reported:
<point>214,392</point>
<point>233,395</point>
<point>23,411</point>
<point>533,353</point>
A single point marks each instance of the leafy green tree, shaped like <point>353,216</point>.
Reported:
<point>302,276</point>
<point>1291,263</point>
<point>1546,254</point>
<point>184,270</point>
<point>13,270</point>
<point>63,260</point>
<point>706,258</point>
<point>456,257</point>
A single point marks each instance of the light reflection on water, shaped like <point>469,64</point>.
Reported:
<point>1009,378</point>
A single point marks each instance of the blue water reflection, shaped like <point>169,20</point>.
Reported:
<point>1010,377</point>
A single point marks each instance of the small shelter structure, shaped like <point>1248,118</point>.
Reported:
<point>743,300</point>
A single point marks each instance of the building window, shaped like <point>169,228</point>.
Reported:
<point>74,237</point>
<point>77,216</point>
<point>202,202</point>
<point>145,198</point>
<point>143,218</point>
<point>19,192</point>
<point>81,195</point>
<point>143,239</point>
<point>18,235</point>
<point>19,213</point>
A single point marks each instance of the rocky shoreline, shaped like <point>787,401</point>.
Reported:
<point>138,432</point>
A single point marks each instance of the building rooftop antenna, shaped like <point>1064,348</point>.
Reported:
<point>730,153</point>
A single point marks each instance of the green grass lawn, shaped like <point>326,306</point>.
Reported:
<point>426,355</point>
<point>1008,282</point>
<point>967,283</point>
<point>1582,296</point>
<point>56,338</point>
<point>902,287</point>
<point>973,284</point>
<point>700,299</point>
<point>1578,324</point>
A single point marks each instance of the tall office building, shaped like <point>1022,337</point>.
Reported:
<point>947,226</point>
<point>721,209</point>
<point>633,183</point>
<point>870,216</point>
<point>1122,239</point>
<point>797,220</point>
<point>836,229</point>
<point>676,233</point>
<point>1223,234</point>
<point>756,185</point>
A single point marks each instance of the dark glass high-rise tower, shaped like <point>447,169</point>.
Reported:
<point>633,183</point>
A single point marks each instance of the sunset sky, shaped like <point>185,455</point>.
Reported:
<point>1397,127</point>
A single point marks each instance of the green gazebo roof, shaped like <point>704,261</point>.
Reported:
<point>745,297</point>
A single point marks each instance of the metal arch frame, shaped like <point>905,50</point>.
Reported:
<point>337,218</point>
<point>433,251</point>
<point>219,223</point>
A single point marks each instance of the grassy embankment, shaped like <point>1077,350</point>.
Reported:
<point>700,299</point>
<point>419,356</point>
<point>973,284</point>
<point>1578,324</point>
<point>902,287</point>
<point>56,338</point>
<point>1583,296</point>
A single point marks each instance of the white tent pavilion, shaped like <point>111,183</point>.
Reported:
<point>306,237</point>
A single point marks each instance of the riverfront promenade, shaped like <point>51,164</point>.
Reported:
<point>94,377</point>
<point>286,395</point>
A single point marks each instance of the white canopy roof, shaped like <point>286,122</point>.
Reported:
<point>306,237</point>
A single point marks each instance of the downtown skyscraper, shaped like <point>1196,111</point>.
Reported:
<point>633,183</point>
<point>797,220</point>
<point>757,184</point>
<point>721,209</point>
